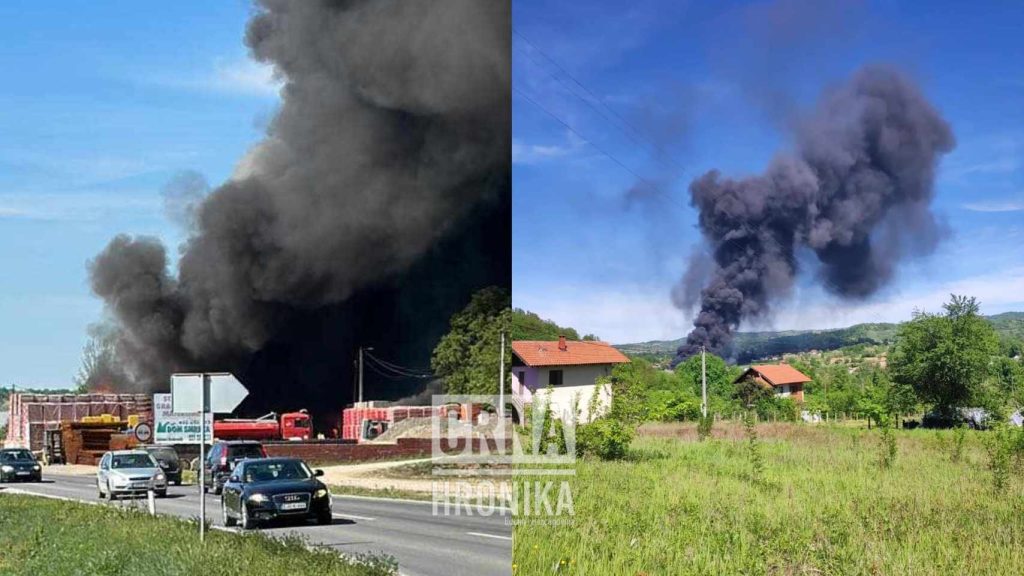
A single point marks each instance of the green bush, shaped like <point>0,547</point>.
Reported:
<point>704,424</point>
<point>605,438</point>
<point>775,408</point>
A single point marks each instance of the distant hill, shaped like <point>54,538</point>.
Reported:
<point>748,346</point>
<point>529,326</point>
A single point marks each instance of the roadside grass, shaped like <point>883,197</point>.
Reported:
<point>823,506</point>
<point>54,537</point>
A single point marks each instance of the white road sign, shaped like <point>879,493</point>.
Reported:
<point>174,428</point>
<point>143,432</point>
<point>187,393</point>
<point>224,395</point>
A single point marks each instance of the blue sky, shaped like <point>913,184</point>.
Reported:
<point>102,104</point>
<point>675,89</point>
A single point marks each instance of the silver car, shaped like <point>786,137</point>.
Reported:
<point>127,472</point>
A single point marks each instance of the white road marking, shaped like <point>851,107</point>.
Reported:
<point>483,535</point>
<point>353,516</point>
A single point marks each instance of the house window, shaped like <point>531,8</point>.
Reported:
<point>555,377</point>
<point>521,376</point>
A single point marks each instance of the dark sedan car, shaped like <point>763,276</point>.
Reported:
<point>274,488</point>
<point>167,458</point>
<point>223,456</point>
<point>19,465</point>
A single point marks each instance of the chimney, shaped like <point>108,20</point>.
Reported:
<point>561,344</point>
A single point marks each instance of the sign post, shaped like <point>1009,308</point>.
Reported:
<point>205,394</point>
<point>202,459</point>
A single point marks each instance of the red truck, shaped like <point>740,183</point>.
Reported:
<point>291,426</point>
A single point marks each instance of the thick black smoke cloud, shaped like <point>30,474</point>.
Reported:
<point>856,193</point>
<point>384,174</point>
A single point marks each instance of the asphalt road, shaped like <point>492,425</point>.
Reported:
<point>423,544</point>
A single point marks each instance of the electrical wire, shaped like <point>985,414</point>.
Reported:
<point>621,164</point>
<point>656,151</point>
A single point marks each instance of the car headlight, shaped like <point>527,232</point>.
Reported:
<point>258,498</point>
<point>119,480</point>
<point>36,467</point>
<point>159,476</point>
<point>7,468</point>
<point>320,493</point>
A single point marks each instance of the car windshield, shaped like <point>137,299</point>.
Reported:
<point>15,455</point>
<point>246,451</point>
<point>132,461</point>
<point>164,454</point>
<point>271,471</point>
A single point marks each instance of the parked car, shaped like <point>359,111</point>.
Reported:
<point>19,465</point>
<point>274,488</point>
<point>128,472</point>
<point>222,459</point>
<point>167,458</point>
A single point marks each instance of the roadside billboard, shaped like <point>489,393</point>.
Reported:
<point>171,428</point>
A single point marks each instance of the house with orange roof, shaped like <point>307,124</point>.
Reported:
<point>783,379</point>
<point>570,369</point>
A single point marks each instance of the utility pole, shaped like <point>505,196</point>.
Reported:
<point>360,399</point>
<point>362,350</point>
<point>501,379</point>
<point>703,385</point>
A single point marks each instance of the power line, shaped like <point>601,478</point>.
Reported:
<point>384,367</point>
<point>621,164</point>
<point>660,155</point>
<point>398,368</point>
<point>654,149</point>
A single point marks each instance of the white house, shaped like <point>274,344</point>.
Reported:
<point>570,368</point>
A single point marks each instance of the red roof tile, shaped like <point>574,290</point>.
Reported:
<point>546,353</point>
<point>779,374</point>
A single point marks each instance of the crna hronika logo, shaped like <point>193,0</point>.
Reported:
<point>515,464</point>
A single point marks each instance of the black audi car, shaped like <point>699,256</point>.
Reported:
<point>266,489</point>
<point>19,465</point>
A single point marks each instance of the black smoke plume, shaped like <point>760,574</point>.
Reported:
<point>377,203</point>
<point>856,193</point>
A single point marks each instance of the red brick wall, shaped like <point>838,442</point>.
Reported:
<point>335,451</point>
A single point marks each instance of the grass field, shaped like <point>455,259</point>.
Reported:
<point>57,538</point>
<point>822,505</point>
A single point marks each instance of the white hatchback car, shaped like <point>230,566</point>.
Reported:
<point>127,472</point>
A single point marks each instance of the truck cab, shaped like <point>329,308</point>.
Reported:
<point>296,426</point>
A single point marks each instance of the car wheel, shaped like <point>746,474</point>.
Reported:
<point>99,488</point>
<point>324,518</point>
<point>161,493</point>
<point>247,522</point>
<point>110,493</point>
<point>217,489</point>
<point>228,519</point>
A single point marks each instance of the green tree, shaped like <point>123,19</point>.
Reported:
<point>467,356</point>
<point>946,357</point>
<point>529,326</point>
<point>100,367</point>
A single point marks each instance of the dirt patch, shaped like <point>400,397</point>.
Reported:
<point>402,476</point>
<point>69,470</point>
<point>730,430</point>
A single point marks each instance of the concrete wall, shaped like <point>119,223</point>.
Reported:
<point>573,395</point>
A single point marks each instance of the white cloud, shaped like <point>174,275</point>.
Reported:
<point>523,153</point>
<point>76,206</point>
<point>996,206</point>
<point>637,313</point>
<point>244,77</point>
